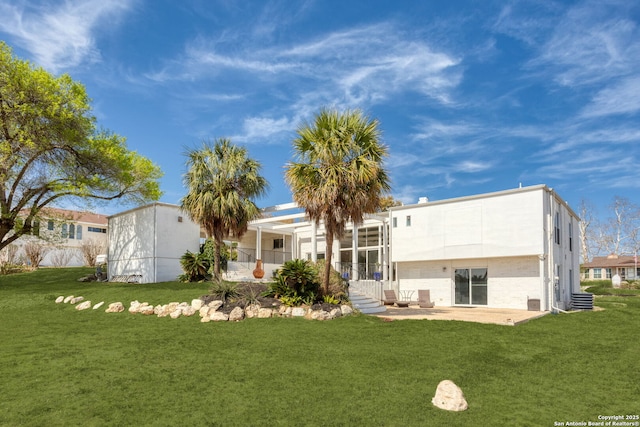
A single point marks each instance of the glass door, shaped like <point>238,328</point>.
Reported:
<point>471,286</point>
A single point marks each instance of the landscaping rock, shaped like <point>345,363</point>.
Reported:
<point>83,305</point>
<point>76,300</point>
<point>67,299</point>
<point>196,304</point>
<point>346,310</point>
<point>214,305</point>
<point>449,397</point>
<point>175,313</point>
<point>146,309</point>
<point>284,311</point>
<point>204,311</point>
<point>188,311</point>
<point>236,314</point>
<point>298,311</point>
<point>98,305</point>
<point>252,311</point>
<point>115,307</point>
<point>336,312</point>
<point>219,316</point>
<point>205,319</point>
<point>265,313</point>
<point>133,306</point>
<point>59,299</point>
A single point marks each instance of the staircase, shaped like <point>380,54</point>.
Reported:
<point>365,304</point>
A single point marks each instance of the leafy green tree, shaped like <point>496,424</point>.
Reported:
<point>51,149</point>
<point>222,182</point>
<point>338,174</point>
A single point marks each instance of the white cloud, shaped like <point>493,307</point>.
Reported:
<point>59,36</point>
<point>260,129</point>
<point>622,97</point>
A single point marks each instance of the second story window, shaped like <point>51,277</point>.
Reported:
<point>408,220</point>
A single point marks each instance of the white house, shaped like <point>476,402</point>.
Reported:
<point>510,249</point>
<point>62,234</point>
<point>146,243</point>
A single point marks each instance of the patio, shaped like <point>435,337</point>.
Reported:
<point>498,316</point>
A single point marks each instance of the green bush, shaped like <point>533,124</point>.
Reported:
<point>195,266</point>
<point>296,277</point>
<point>224,290</point>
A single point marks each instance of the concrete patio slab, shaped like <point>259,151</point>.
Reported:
<point>498,316</point>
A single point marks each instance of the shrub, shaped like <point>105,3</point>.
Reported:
<point>224,290</point>
<point>300,276</point>
<point>195,267</point>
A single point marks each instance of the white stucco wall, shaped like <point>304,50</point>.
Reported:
<point>150,241</point>
<point>501,225</point>
<point>510,280</point>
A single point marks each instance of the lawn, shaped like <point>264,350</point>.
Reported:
<point>59,366</point>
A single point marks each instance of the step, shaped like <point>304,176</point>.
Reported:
<point>365,304</point>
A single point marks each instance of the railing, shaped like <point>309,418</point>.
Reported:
<point>247,257</point>
<point>364,271</point>
<point>369,288</point>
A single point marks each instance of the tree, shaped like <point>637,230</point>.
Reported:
<point>222,182</point>
<point>338,174</point>
<point>51,149</point>
<point>588,227</point>
<point>621,232</point>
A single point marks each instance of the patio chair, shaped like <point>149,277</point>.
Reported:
<point>424,298</point>
<point>390,298</point>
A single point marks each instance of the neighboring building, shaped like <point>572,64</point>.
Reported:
<point>146,243</point>
<point>63,232</point>
<point>605,267</point>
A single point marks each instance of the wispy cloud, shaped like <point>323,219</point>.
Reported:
<point>59,36</point>
<point>622,97</point>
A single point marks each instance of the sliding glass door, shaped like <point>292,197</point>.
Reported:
<point>471,286</point>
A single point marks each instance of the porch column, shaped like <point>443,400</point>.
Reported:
<point>259,243</point>
<point>314,242</point>
<point>385,252</point>
<point>354,254</point>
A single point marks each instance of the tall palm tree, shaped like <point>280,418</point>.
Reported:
<point>221,182</point>
<point>338,174</point>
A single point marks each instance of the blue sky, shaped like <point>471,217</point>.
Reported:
<point>470,98</point>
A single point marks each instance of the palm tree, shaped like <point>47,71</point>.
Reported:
<point>221,182</point>
<point>338,175</point>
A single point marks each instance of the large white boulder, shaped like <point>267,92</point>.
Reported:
<point>449,397</point>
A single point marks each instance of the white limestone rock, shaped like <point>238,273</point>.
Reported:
<point>204,311</point>
<point>188,311</point>
<point>219,316</point>
<point>346,310</point>
<point>98,305</point>
<point>298,311</point>
<point>83,305</point>
<point>285,311</point>
<point>76,300</point>
<point>175,313</point>
<point>336,312</point>
<point>265,313</point>
<point>214,305</point>
<point>67,299</point>
<point>196,304</point>
<point>134,306</point>
<point>205,319</point>
<point>449,397</point>
<point>251,311</point>
<point>59,299</point>
<point>115,307</point>
<point>146,309</point>
<point>236,314</point>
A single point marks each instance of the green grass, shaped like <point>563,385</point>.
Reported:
<point>59,366</point>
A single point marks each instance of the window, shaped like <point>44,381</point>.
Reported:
<point>65,232</point>
<point>79,232</point>
<point>556,228</point>
<point>278,243</point>
<point>597,273</point>
<point>471,286</point>
<point>608,273</point>
<point>570,236</point>
<point>49,225</point>
<point>36,228</point>
<point>408,220</point>
<point>395,222</point>
<point>72,231</point>
<point>96,230</point>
